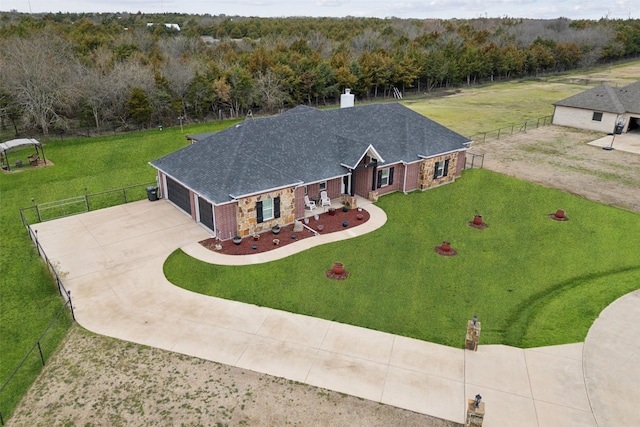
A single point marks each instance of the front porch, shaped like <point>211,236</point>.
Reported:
<point>335,204</point>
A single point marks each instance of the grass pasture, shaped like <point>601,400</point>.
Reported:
<point>531,280</point>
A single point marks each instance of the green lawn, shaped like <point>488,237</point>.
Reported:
<point>29,297</point>
<point>531,280</point>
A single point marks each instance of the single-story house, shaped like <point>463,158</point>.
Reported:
<point>602,108</point>
<point>254,175</point>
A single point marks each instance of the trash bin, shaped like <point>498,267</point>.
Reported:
<point>152,193</point>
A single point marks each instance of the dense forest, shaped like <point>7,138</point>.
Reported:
<point>60,72</point>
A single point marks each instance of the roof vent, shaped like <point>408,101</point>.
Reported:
<point>347,99</point>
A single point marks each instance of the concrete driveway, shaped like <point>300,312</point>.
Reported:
<point>112,260</point>
<point>629,142</point>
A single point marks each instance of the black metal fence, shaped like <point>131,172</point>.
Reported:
<point>45,344</point>
<point>81,204</point>
<point>473,160</point>
<point>510,130</point>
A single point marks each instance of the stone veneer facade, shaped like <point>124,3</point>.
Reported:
<point>427,169</point>
<point>247,217</point>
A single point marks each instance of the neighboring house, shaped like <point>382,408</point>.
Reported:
<point>249,177</point>
<point>603,108</point>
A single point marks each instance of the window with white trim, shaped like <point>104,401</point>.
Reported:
<point>384,177</point>
<point>267,209</point>
<point>597,117</point>
<point>323,185</point>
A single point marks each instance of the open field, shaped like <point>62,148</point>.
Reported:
<point>29,299</point>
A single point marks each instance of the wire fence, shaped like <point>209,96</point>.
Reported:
<point>80,204</point>
<point>12,390</point>
<point>510,130</point>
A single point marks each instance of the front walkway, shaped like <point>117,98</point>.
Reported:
<point>112,260</point>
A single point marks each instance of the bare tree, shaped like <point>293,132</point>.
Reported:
<point>268,91</point>
<point>121,80</point>
<point>39,72</point>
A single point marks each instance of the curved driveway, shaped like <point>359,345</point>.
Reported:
<point>112,261</point>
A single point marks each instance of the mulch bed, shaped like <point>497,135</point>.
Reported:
<point>330,223</point>
<point>26,166</point>
<point>450,252</point>
<point>480,226</point>
<point>557,218</point>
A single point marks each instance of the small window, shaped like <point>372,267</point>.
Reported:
<point>384,177</point>
<point>306,190</point>
<point>441,169</point>
<point>597,117</point>
<point>267,209</point>
<point>323,185</point>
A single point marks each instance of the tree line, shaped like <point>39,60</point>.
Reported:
<point>106,71</point>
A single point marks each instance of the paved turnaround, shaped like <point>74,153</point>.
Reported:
<point>112,260</point>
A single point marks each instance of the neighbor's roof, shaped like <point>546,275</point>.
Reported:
<point>606,98</point>
<point>4,146</point>
<point>304,145</point>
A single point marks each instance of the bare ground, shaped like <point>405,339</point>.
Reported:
<point>560,157</point>
<point>95,381</point>
<point>98,381</point>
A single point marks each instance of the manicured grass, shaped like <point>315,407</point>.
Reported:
<point>531,280</point>
<point>29,298</point>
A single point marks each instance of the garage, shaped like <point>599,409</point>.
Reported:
<point>205,213</point>
<point>178,195</point>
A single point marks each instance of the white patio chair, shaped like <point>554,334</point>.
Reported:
<point>324,199</point>
<point>311,205</point>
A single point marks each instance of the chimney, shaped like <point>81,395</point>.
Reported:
<point>347,99</point>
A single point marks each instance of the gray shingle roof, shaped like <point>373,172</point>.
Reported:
<point>304,145</point>
<point>606,98</point>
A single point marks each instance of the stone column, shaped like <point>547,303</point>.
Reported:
<point>475,412</point>
<point>473,334</point>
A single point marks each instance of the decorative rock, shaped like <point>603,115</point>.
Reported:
<point>297,227</point>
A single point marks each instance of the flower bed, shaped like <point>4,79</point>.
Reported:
<point>330,224</point>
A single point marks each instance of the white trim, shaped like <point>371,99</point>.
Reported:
<point>441,154</point>
<point>369,148</point>
<point>243,196</point>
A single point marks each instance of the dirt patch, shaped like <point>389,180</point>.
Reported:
<point>560,157</point>
<point>98,381</point>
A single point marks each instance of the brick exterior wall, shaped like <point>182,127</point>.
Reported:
<point>363,179</point>
<point>225,220</point>
<point>427,169</point>
<point>398,179</point>
<point>247,218</point>
<point>413,172</point>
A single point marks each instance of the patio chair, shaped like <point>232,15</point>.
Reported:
<point>324,199</point>
<point>309,204</point>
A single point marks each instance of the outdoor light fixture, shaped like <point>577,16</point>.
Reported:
<point>475,319</point>
<point>476,403</point>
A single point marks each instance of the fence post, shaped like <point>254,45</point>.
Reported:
<point>73,314</point>
<point>124,194</point>
<point>86,199</point>
<point>40,351</point>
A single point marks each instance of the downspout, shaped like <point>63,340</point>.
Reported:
<point>404,181</point>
